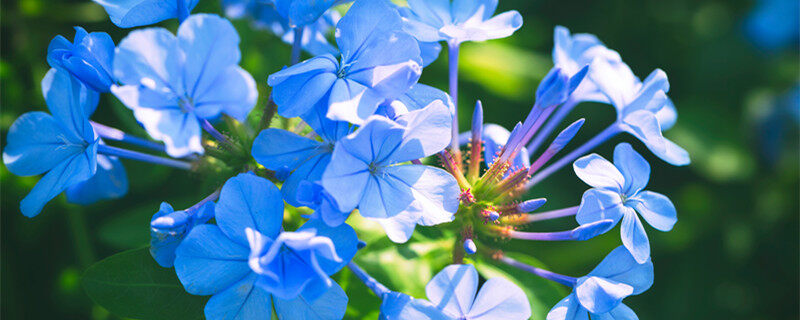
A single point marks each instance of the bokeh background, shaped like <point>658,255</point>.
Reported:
<point>733,67</point>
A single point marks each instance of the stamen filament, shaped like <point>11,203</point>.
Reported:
<point>553,214</point>
<point>549,275</point>
<point>115,134</point>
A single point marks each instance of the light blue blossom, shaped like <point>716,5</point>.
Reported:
<point>572,52</point>
<point>453,294</point>
<point>89,58</point>
<point>599,294</point>
<point>305,158</point>
<point>169,227</point>
<point>457,21</point>
<point>61,144</point>
<point>379,62</point>
<point>135,13</point>
<point>264,15</point>
<point>248,264</point>
<point>618,194</point>
<point>173,84</point>
<point>398,196</point>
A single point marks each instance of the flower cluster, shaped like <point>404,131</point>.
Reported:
<point>366,140</point>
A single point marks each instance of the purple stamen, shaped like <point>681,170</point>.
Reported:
<point>551,125</point>
<point>563,138</point>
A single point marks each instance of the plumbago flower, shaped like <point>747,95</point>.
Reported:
<point>175,85</point>
<point>452,295</point>
<point>398,196</point>
<point>599,294</point>
<point>457,21</point>
<point>63,145</point>
<point>379,62</point>
<point>135,13</point>
<point>618,194</point>
<point>89,58</point>
<point>248,264</point>
<point>169,227</point>
<point>264,15</point>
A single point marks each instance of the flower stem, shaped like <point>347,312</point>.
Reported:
<point>551,125</point>
<point>133,155</point>
<point>115,134</point>
<point>297,45</point>
<point>453,49</point>
<point>601,137</point>
<point>376,287</point>
<point>549,275</point>
<point>213,131</point>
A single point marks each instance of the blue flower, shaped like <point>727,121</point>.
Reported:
<point>301,13</point>
<point>773,24</point>
<point>572,52</point>
<point>600,293</point>
<point>110,181</point>
<point>89,58</point>
<point>452,295</point>
<point>457,21</point>
<point>264,15</point>
<point>62,143</point>
<point>173,83</point>
<point>305,158</point>
<point>248,264</point>
<point>618,194</point>
<point>169,227</point>
<point>135,13</point>
<point>399,196</point>
<point>379,62</point>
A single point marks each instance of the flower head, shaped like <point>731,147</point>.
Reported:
<point>249,264</point>
<point>172,83</point>
<point>453,294</point>
<point>169,227</point>
<point>370,162</point>
<point>457,21</point>
<point>61,144</point>
<point>617,194</point>
<point>600,293</point>
<point>89,58</point>
<point>379,62</point>
<point>135,13</point>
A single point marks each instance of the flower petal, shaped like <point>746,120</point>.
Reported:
<point>275,148</point>
<point>249,201</point>
<point>179,130</point>
<point>208,262</point>
<point>634,168</point>
<point>500,299</point>
<point>233,92</point>
<point>345,170</point>
<point>600,295</point>
<point>135,13</point>
<point>427,131</point>
<point>241,301</point>
<point>399,306</point>
<point>657,209</point>
<point>70,102</point>
<point>36,143</point>
<point>453,289</point>
<point>598,172</point>
<point>109,182</point>
<point>620,266</point>
<point>344,239</point>
<point>599,204</point>
<point>568,309</point>
<point>331,305</point>
<point>151,58</point>
<point>634,237</point>
<point>77,168</point>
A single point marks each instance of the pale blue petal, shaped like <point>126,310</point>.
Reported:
<point>634,237</point>
<point>399,228</point>
<point>621,312</point>
<point>598,172</point>
<point>135,13</point>
<point>276,148</point>
<point>499,299</point>
<point>656,209</point>
<point>424,32</point>
<point>615,80</point>
<point>427,131</point>
<point>453,289</point>
<point>249,201</point>
<point>674,154</point>
<point>233,92</point>
<point>667,115</point>
<point>352,101</point>
<point>345,170</point>
<point>418,97</point>
<point>109,182</point>
<point>374,142</point>
<point>500,26</point>
<point>331,305</point>
<point>600,295</point>
<point>599,204</point>
<point>329,130</point>
<point>568,309</point>
<point>433,12</point>
<point>310,171</point>
<point>151,58</point>
<point>77,168</point>
<point>241,301</point>
<point>384,197</point>
<point>301,13</point>
<point>180,131</point>
<point>344,239</point>
<point>634,168</point>
<point>435,192</point>
<point>463,10</point>
<point>208,262</point>
<point>366,22</point>
<point>297,94</point>
<point>429,52</point>
<point>619,265</point>
<point>399,306</point>
<point>36,143</point>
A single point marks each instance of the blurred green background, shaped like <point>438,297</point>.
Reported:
<point>732,255</point>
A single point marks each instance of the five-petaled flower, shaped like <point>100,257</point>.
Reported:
<point>89,58</point>
<point>248,263</point>
<point>618,194</point>
<point>173,84</point>
<point>600,293</point>
<point>457,21</point>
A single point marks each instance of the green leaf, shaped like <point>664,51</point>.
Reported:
<point>542,294</point>
<point>130,284</point>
